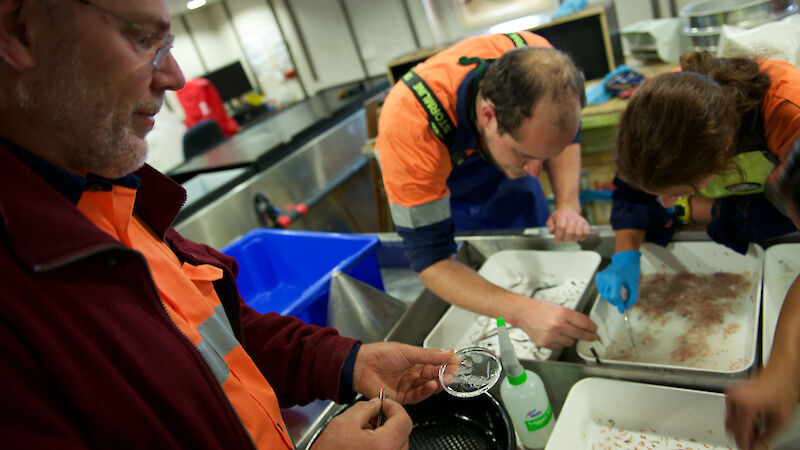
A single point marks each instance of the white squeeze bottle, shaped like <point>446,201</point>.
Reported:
<point>524,396</point>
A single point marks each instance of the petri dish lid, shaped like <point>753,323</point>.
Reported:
<point>478,372</point>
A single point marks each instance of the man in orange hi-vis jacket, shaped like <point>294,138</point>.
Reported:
<point>461,140</point>
<point>116,331</point>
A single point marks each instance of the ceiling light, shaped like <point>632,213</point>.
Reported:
<point>194,4</point>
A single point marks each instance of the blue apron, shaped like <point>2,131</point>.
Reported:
<point>482,197</point>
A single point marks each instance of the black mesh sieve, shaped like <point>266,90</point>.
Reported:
<point>452,433</point>
<point>446,422</point>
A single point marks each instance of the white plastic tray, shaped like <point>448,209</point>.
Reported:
<point>520,271</point>
<point>732,344</point>
<point>609,414</point>
<point>781,266</point>
<point>599,413</point>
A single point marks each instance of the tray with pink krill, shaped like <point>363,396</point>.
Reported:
<point>561,277</point>
<point>698,310</point>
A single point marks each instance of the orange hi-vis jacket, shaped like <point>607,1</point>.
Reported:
<point>188,295</point>
<point>428,197</point>
<point>781,109</point>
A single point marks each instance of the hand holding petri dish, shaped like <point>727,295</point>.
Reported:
<point>477,372</point>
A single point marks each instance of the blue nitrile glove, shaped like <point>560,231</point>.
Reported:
<point>569,7</point>
<point>622,272</point>
<point>600,93</point>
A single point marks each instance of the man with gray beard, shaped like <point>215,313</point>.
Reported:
<point>115,330</point>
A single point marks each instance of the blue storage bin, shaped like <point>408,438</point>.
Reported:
<point>289,272</point>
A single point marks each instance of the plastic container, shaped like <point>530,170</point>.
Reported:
<point>781,266</point>
<point>524,396</point>
<point>444,422</point>
<point>728,348</point>
<point>601,413</point>
<point>289,272</point>
<point>562,277</point>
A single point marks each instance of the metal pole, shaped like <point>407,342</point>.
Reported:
<point>288,49</point>
<point>656,8</point>
<point>303,44</point>
<point>194,43</point>
<point>433,22</point>
<point>246,60</point>
<point>673,9</point>
<point>410,23</point>
<point>353,37</point>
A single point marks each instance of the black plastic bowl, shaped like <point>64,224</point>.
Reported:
<point>449,423</point>
<point>446,422</point>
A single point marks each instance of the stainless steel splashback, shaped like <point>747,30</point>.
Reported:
<point>331,161</point>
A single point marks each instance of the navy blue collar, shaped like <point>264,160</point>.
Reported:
<point>67,183</point>
<point>467,137</point>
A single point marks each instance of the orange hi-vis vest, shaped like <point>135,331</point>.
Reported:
<point>415,163</point>
<point>187,293</point>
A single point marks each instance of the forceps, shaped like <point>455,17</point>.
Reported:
<point>379,419</point>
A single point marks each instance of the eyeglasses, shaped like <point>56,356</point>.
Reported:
<point>146,40</point>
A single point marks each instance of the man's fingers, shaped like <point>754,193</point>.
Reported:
<point>365,411</point>
<point>419,393</point>
<point>567,226</point>
<point>581,321</point>
<point>396,417</point>
<point>559,231</point>
<point>433,356</point>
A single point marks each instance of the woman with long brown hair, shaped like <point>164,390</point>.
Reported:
<point>703,144</point>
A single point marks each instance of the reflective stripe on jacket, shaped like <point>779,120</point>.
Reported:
<point>187,292</point>
<point>89,350</point>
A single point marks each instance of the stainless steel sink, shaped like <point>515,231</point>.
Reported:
<point>426,309</point>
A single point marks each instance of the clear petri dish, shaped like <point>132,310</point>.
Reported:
<point>478,372</point>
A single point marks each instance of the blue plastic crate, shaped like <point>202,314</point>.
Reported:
<point>289,271</point>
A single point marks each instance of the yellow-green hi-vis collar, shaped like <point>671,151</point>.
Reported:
<point>749,176</point>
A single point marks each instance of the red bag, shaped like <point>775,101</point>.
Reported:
<point>200,100</point>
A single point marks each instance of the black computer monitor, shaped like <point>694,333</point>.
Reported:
<point>230,81</point>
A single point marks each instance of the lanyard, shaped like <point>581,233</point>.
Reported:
<point>440,122</point>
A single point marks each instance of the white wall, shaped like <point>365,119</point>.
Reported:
<point>328,45</point>
<point>214,36</point>
<point>264,37</point>
<point>382,30</point>
<point>265,50</point>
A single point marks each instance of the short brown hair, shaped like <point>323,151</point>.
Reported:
<point>681,127</point>
<point>521,77</point>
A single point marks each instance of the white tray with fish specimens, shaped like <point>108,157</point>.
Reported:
<point>781,267</point>
<point>600,413</point>
<point>558,276</point>
<point>698,310</point>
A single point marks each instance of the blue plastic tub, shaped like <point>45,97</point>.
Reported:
<point>289,272</point>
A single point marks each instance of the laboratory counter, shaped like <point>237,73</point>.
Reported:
<point>559,375</point>
<point>271,137</point>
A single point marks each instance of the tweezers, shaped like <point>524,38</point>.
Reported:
<point>379,419</point>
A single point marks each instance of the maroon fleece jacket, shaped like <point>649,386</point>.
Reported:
<point>89,356</point>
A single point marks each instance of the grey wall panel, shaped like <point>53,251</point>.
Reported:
<point>304,174</point>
